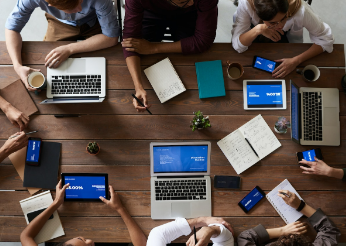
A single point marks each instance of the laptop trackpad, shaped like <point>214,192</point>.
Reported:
<point>330,116</point>
<point>77,66</point>
<point>180,209</point>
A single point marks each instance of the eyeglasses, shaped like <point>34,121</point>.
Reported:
<point>277,23</point>
<point>179,6</point>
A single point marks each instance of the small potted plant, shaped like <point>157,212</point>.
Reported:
<point>281,125</point>
<point>93,148</point>
<point>199,121</point>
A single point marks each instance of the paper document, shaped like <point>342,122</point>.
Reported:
<point>52,228</point>
<point>238,151</point>
<point>287,213</point>
<point>164,80</point>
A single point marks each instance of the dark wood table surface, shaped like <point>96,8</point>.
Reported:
<point>124,136</point>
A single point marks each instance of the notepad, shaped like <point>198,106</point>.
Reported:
<point>210,79</point>
<point>164,80</point>
<point>238,151</point>
<point>287,213</point>
<point>53,227</point>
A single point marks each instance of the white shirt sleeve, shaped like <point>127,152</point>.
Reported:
<point>165,234</point>
<point>241,24</point>
<point>320,32</point>
<point>225,238</point>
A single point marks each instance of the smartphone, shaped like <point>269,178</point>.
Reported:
<point>33,151</point>
<point>230,182</point>
<point>33,215</point>
<point>251,199</point>
<point>264,64</point>
<point>309,155</point>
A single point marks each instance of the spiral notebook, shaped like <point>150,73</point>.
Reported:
<point>287,213</point>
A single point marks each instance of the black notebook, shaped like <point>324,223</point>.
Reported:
<point>45,175</point>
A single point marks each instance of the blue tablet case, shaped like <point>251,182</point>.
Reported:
<point>210,79</point>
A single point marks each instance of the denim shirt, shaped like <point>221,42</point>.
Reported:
<point>103,10</point>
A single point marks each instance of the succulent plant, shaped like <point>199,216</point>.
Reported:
<point>282,125</point>
<point>199,121</point>
<point>93,147</point>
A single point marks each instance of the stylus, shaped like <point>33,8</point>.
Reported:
<point>194,233</point>
<point>25,134</point>
<point>139,101</point>
<point>283,193</point>
<point>251,146</point>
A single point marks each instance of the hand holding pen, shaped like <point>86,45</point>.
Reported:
<point>16,142</point>
<point>136,101</point>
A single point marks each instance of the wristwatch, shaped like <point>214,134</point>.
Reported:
<point>301,206</point>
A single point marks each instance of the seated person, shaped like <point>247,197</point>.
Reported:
<point>292,234</point>
<point>192,24</point>
<point>68,20</point>
<point>319,167</point>
<point>215,229</point>
<point>13,144</point>
<point>280,21</point>
<point>27,236</point>
<point>17,118</point>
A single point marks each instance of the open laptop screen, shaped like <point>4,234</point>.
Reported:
<point>294,112</point>
<point>180,159</point>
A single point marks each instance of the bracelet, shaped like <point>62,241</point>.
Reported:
<point>301,206</point>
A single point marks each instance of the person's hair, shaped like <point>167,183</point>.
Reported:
<point>63,4</point>
<point>268,9</point>
<point>64,244</point>
<point>292,240</point>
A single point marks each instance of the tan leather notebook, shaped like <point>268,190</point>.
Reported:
<point>19,97</point>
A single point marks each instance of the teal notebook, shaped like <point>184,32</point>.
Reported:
<point>210,79</point>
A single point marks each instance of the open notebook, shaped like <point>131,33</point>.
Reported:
<point>52,228</point>
<point>237,149</point>
<point>287,213</point>
<point>164,80</point>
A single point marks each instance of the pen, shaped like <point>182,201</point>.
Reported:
<point>25,134</point>
<point>194,232</point>
<point>139,101</point>
<point>283,193</point>
<point>66,115</point>
<point>251,146</point>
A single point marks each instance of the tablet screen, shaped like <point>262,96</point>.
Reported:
<point>264,94</point>
<point>85,187</point>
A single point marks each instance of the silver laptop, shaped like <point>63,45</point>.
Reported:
<point>315,116</point>
<point>180,180</point>
<point>77,80</point>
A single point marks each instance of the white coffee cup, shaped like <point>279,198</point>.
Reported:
<point>310,73</point>
<point>37,80</point>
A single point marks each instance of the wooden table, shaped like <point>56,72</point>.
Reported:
<point>124,136</point>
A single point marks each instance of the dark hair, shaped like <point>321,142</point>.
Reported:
<point>268,9</point>
<point>63,244</point>
<point>292,240</point>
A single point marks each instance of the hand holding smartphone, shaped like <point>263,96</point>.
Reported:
<point>33,151</point>
<point>309,155</point>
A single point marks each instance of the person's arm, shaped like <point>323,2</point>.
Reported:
<point>27,237</point>
<point>136,234</point>
<point>319,167</point>
<point>16,117</point>
<point>13,144</point>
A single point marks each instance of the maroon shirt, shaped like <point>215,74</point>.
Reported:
<point>206,22</point>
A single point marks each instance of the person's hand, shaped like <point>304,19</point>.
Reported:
<point>215,220</point>
<point>294,228</point>
<point>317,167</point>
<point>60,193</point>
<point>16,117</point>
<point>291,199</point>
<point>141,95</point>
<point>203,236</point>
<point>272,34</point>
<point>114,202</point>
<point>141,46</point>
<point>57,56</point>
<point>23,72</point>
<point>287,65</point>
<point>14,144</point>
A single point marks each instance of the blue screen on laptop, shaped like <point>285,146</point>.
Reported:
<point>178,159</point>
<point>85,187</point>
<point>264,94</point>
<point>265,64</point>
<point>294,112</point>
<point>251,199</point>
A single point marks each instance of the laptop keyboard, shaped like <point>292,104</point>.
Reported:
<point>193,189</point>
<point>312,116</point>
<point>76,84</point>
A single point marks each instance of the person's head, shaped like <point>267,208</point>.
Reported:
<point>274,13</point>
<point>68,6</point>
<point>292,240</point>
<point>77,241</point>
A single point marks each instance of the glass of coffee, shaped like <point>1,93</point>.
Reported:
<point>37,80</point>
<point>234,70</point>
<point>310,73</point>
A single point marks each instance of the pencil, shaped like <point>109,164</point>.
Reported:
<point>25,134</point>
<point>139,101</point>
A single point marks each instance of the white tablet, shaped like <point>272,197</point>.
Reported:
<point>264,94</point>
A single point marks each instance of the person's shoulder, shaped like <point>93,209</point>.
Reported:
<point>205,5</point>
<point>100,3</point>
